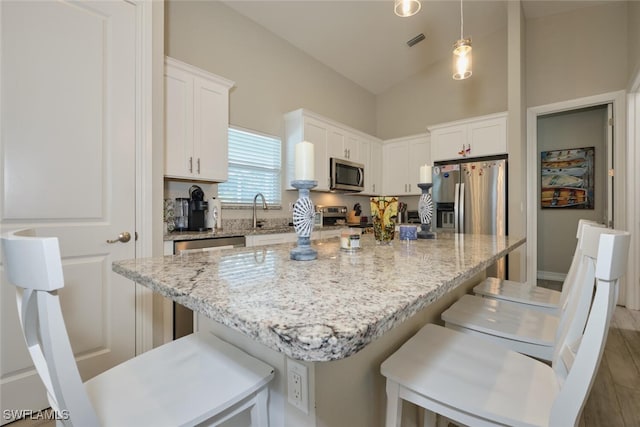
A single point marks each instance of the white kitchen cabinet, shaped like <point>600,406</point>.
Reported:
<point>373,171</point>
<point>278,238</point>
<point>352,148</point>
<point>402,158</point>
<point>330,139</point>
<point>269,239</point>
<point>344,144</point>
<point>196,123</point>
<point>336,142</point>
<point>476,137</point>
<point>302,127</point>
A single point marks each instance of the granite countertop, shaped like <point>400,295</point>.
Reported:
<point>194,235</point>
<point>320,310</point>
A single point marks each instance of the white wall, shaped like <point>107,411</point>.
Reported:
<point>577,54</point>
<point>633,49</point>
<point>516,142</point>
<point>272,77</point>
<point>433,97</point>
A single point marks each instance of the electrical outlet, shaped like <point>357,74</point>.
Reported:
<point>298,385</point>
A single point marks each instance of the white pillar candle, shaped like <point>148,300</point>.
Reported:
<point>425,174</point>
<point>304,161</point>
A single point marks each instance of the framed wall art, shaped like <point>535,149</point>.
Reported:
<point>567,178</point>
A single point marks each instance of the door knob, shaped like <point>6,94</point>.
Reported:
<point>123,237</point>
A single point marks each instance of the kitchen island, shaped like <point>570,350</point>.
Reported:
<point>341,314</point>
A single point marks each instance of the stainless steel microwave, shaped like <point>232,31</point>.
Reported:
<point>346,176</point>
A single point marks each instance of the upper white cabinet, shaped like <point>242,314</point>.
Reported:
<point>401,166</point>
<point>330,139</point>
<point>373,179</point>
<point>476,137</point>
<point>302,127</point>
<point>196,123</point>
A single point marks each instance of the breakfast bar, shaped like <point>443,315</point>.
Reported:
<point>339,316</point>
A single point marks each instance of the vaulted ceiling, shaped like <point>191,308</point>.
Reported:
<point>366,42</point>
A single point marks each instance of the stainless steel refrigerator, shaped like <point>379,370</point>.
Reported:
<point>470,196</point>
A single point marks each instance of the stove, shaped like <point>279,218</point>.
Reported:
<point>332,215</point>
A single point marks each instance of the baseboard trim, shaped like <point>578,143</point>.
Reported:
<point>551,275</point>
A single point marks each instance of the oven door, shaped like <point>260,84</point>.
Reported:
<point>346,175</point>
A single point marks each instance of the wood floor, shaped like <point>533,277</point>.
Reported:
<point>615,397</point>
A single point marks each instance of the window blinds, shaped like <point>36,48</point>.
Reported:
<point>254,167</point>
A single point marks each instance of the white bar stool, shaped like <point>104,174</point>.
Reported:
<point>196,379</point>
<point>477,383</point>
<point>525,330</point>
<point>530,295</point>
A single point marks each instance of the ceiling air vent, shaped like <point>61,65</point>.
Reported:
<point>417,39</point>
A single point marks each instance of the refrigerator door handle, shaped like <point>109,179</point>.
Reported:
<point>456,208</point>
<point>461,203</point>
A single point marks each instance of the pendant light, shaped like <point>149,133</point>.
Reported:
<point>462,53</point>
<point>406,8</point>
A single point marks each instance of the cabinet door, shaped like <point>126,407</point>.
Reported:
<point>352,145</point>
<point>373,173</point>
<point>211,113</point>
<point>317,133</point>
<point>178,131</point>
<point>446,143</point>
<point>364,157</point>
<point>418,155</point>
<point>488,137</point>
<point>335,143</point>
<point>270,239</point>
<point>394,168</point>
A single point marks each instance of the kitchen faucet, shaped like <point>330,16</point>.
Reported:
<point>264,206</point>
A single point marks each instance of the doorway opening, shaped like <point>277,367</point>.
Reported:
<point>609,108</point>
<point>573,159</point>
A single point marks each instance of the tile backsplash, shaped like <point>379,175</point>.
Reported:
<point>238,217</point>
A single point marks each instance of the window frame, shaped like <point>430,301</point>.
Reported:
<point>271,204</point>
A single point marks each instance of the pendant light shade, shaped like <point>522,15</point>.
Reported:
<point>462,59</point>
<point>462,53</point>
<point>406,8</point>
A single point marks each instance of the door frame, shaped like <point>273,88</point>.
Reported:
<point>633,188</point>
<point>149,154</point>
<point>622,147</point>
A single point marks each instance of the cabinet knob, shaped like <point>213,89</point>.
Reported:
<point>198,165</point>
<point>190,164</point>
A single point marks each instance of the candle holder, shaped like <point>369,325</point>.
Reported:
<point>303,216</point>
<point>425,210</point>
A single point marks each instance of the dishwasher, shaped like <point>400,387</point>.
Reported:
<point>182,316</point>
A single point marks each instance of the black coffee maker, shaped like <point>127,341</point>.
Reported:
<point>197,208</point>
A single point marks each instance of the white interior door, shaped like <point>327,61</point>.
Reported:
<point>67,141</point>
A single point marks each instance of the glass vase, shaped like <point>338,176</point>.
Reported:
<point>384,212</point>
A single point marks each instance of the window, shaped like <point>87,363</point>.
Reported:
<point>254,167</point>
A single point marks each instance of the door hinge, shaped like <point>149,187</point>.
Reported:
<point>610,121</point>
<point>611,172</point>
